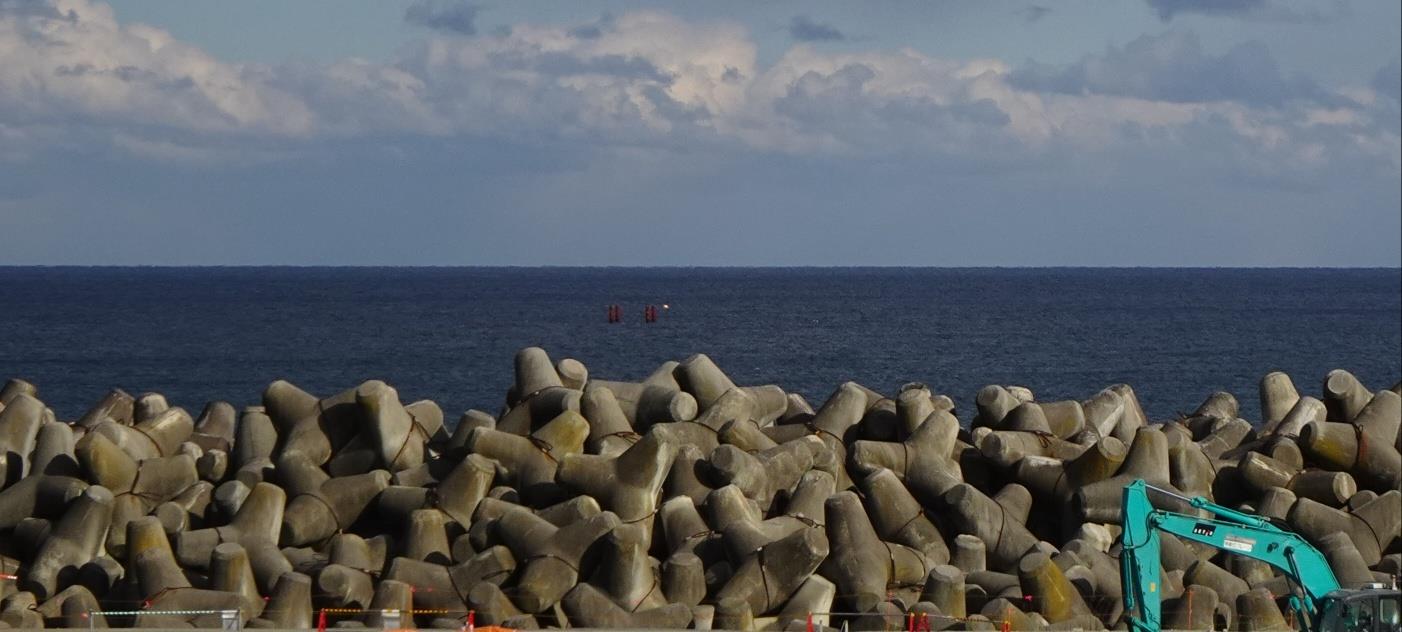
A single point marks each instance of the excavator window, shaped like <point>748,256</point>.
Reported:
<point>1338,616</point>
<point>1363,617</point>
<point>1388,612</point>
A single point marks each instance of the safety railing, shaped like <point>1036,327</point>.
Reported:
<point>228,619</point>
<point>914,621</point>
<point>396,618</point>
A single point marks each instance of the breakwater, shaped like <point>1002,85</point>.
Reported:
<point>682,500</point>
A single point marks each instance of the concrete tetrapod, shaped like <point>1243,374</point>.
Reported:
<point>537,395</point>
<point>843,410</point>
<point>686,532</point>
<point>326,507</point>
<point>969,553</point>
<point>528,415</point>
<point>435,587</point>
<point>148,406</point>
<point>1278,396</point>
<point>1258,612</point>
<point>610,431</point>
<point>899,518</point>
<point>390,595</point>
<point>289,606</point>
<point>255,437</point>
<point>20,611</point>
<point>1382,417</point>
<point>230,571</point>
<point>259,518</point>
<point>764,475</point>
<point>1004,448</point>
<point>157,480</point>
<point>464,487</point>
<point>684,478</point>
<point>743,531</point>
<point>426,537</point>
<point>73,542</point>
<point>1057,479</point>
<point>1227,586</point>
<point>551,555</point>
<point>733,614</point>
<point>1191,470</point>
<point>158,436</point>
<point>297,416</point>
<point>746,435</point>
<point>1307,410</point>
<point>1344,395</point>
<point>189,608</point>
<point>534,372</point>
<point>684,579</point>
<point>971,512</point>
<point>1346,447</point>
<point>1052,594</point>
<point>862,565</point>
<point>511,531</point>
<point>1106,594</point>
<point>150,560</point>
<point>626,573</point>
<point>628,484</point>
<point>701,377</point>
<point>492,607</point>
<point>116,406</point>
<point>1147,460</point>
<point>573,374</point>
<point>644,404</point>
<point>1345,560</point>
<point>591,608</point>
<point>398,436</point>
<point>944,588</point>
<point>469,420</point>
<point>813,598</point>
<point>1194,610</point>
<point>929,446</point>
<point>54,451</point>
<point>530,463</point>
<point>74,607</point>
<point>773,572</point>
<point>20,420</point>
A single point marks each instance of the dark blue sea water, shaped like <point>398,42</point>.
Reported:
<point>197,334</point>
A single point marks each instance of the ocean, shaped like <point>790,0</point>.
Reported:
<point>449,334</point>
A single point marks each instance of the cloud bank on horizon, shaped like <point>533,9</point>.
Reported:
<point>647,138</point>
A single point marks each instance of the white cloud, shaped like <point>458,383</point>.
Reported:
<point>652,79</point>
<point>79,62</point>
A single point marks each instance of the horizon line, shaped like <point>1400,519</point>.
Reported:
<point>5,266</point>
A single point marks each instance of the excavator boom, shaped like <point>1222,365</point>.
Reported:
<point>1229,530</point>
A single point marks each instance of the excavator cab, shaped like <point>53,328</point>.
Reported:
<point>1368,610</point>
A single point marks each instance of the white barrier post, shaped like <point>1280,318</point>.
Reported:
<point>390,619</point>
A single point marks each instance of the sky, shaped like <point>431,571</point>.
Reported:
<point>443,132</point>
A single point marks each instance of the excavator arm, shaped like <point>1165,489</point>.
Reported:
<point>1232,531</point>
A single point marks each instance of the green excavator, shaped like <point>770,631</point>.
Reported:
<point>1319,605</point>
